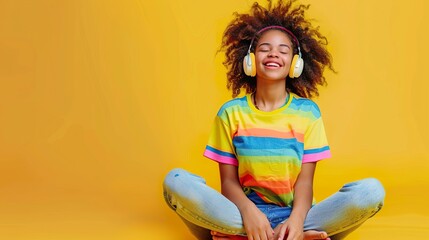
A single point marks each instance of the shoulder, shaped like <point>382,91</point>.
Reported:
<point>305,105</point>
<point>233,105</point>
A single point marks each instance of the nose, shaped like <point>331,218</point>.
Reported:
<point>273,53</point>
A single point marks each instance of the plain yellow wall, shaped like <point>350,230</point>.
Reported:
<point>99,99</point>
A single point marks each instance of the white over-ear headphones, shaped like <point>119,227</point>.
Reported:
<point>297,64</point>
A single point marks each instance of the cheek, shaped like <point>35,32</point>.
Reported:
<point>258,58</point>
<point>258,62</point>
<point>288,60</point>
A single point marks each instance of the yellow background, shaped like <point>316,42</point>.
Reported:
<point>99,99</point>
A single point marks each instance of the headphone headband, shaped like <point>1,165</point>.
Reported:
<point>280,28</point>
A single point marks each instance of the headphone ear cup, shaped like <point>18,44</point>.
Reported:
<point>249,65</point>
<point>296,66</point>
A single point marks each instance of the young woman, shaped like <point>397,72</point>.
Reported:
<point>268,142</point>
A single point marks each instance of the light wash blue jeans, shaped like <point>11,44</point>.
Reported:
<point>203,209</point>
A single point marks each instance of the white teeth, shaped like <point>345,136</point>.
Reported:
<point>272,65</point>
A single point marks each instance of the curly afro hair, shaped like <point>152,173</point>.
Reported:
<point>240,31</point>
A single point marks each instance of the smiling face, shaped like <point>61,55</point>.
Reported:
<point>273,55</point>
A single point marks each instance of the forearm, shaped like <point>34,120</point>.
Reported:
<point>231,188</point>
<point>303,198</point>
<point>303,192</point>
<point>255,222</point>
<point>233,191</point>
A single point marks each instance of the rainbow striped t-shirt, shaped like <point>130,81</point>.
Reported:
<point>268,147</point>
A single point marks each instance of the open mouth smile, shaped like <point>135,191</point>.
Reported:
<point>272,65</point>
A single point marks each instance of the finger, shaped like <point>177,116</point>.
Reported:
<point>282,233</point>
<point>263,236</point>
<point>266,236</point>
<point>295,234</point>
<point>323,235</point>
<point>255,237</point>
<point>270,233</point>
<point>218,234</point>
<point>214,233</point>
<point>312,234</point>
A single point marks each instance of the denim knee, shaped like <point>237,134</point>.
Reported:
<point>374,189</point>
<point>172,176</point>
<point>189,196</point>
<point>368,193</point>
<point>170,185</point>
<point>175,183</point>
<point>178,176</point>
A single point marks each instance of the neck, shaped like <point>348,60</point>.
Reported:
<point>269,97</point>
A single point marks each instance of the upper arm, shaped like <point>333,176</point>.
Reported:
<point>229,178</point>
<point>228,172</point>
<point>307,173</point>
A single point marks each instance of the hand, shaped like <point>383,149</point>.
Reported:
<point>291,231</point>
<point>256,224</point>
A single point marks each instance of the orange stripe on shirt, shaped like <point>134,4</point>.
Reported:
<point>260,132</point>
<point>277,187</point>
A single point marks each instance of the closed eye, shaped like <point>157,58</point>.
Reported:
<point>284,50</point>
<point>264,50</point>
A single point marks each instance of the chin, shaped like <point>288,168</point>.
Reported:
<point>274,77</point>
